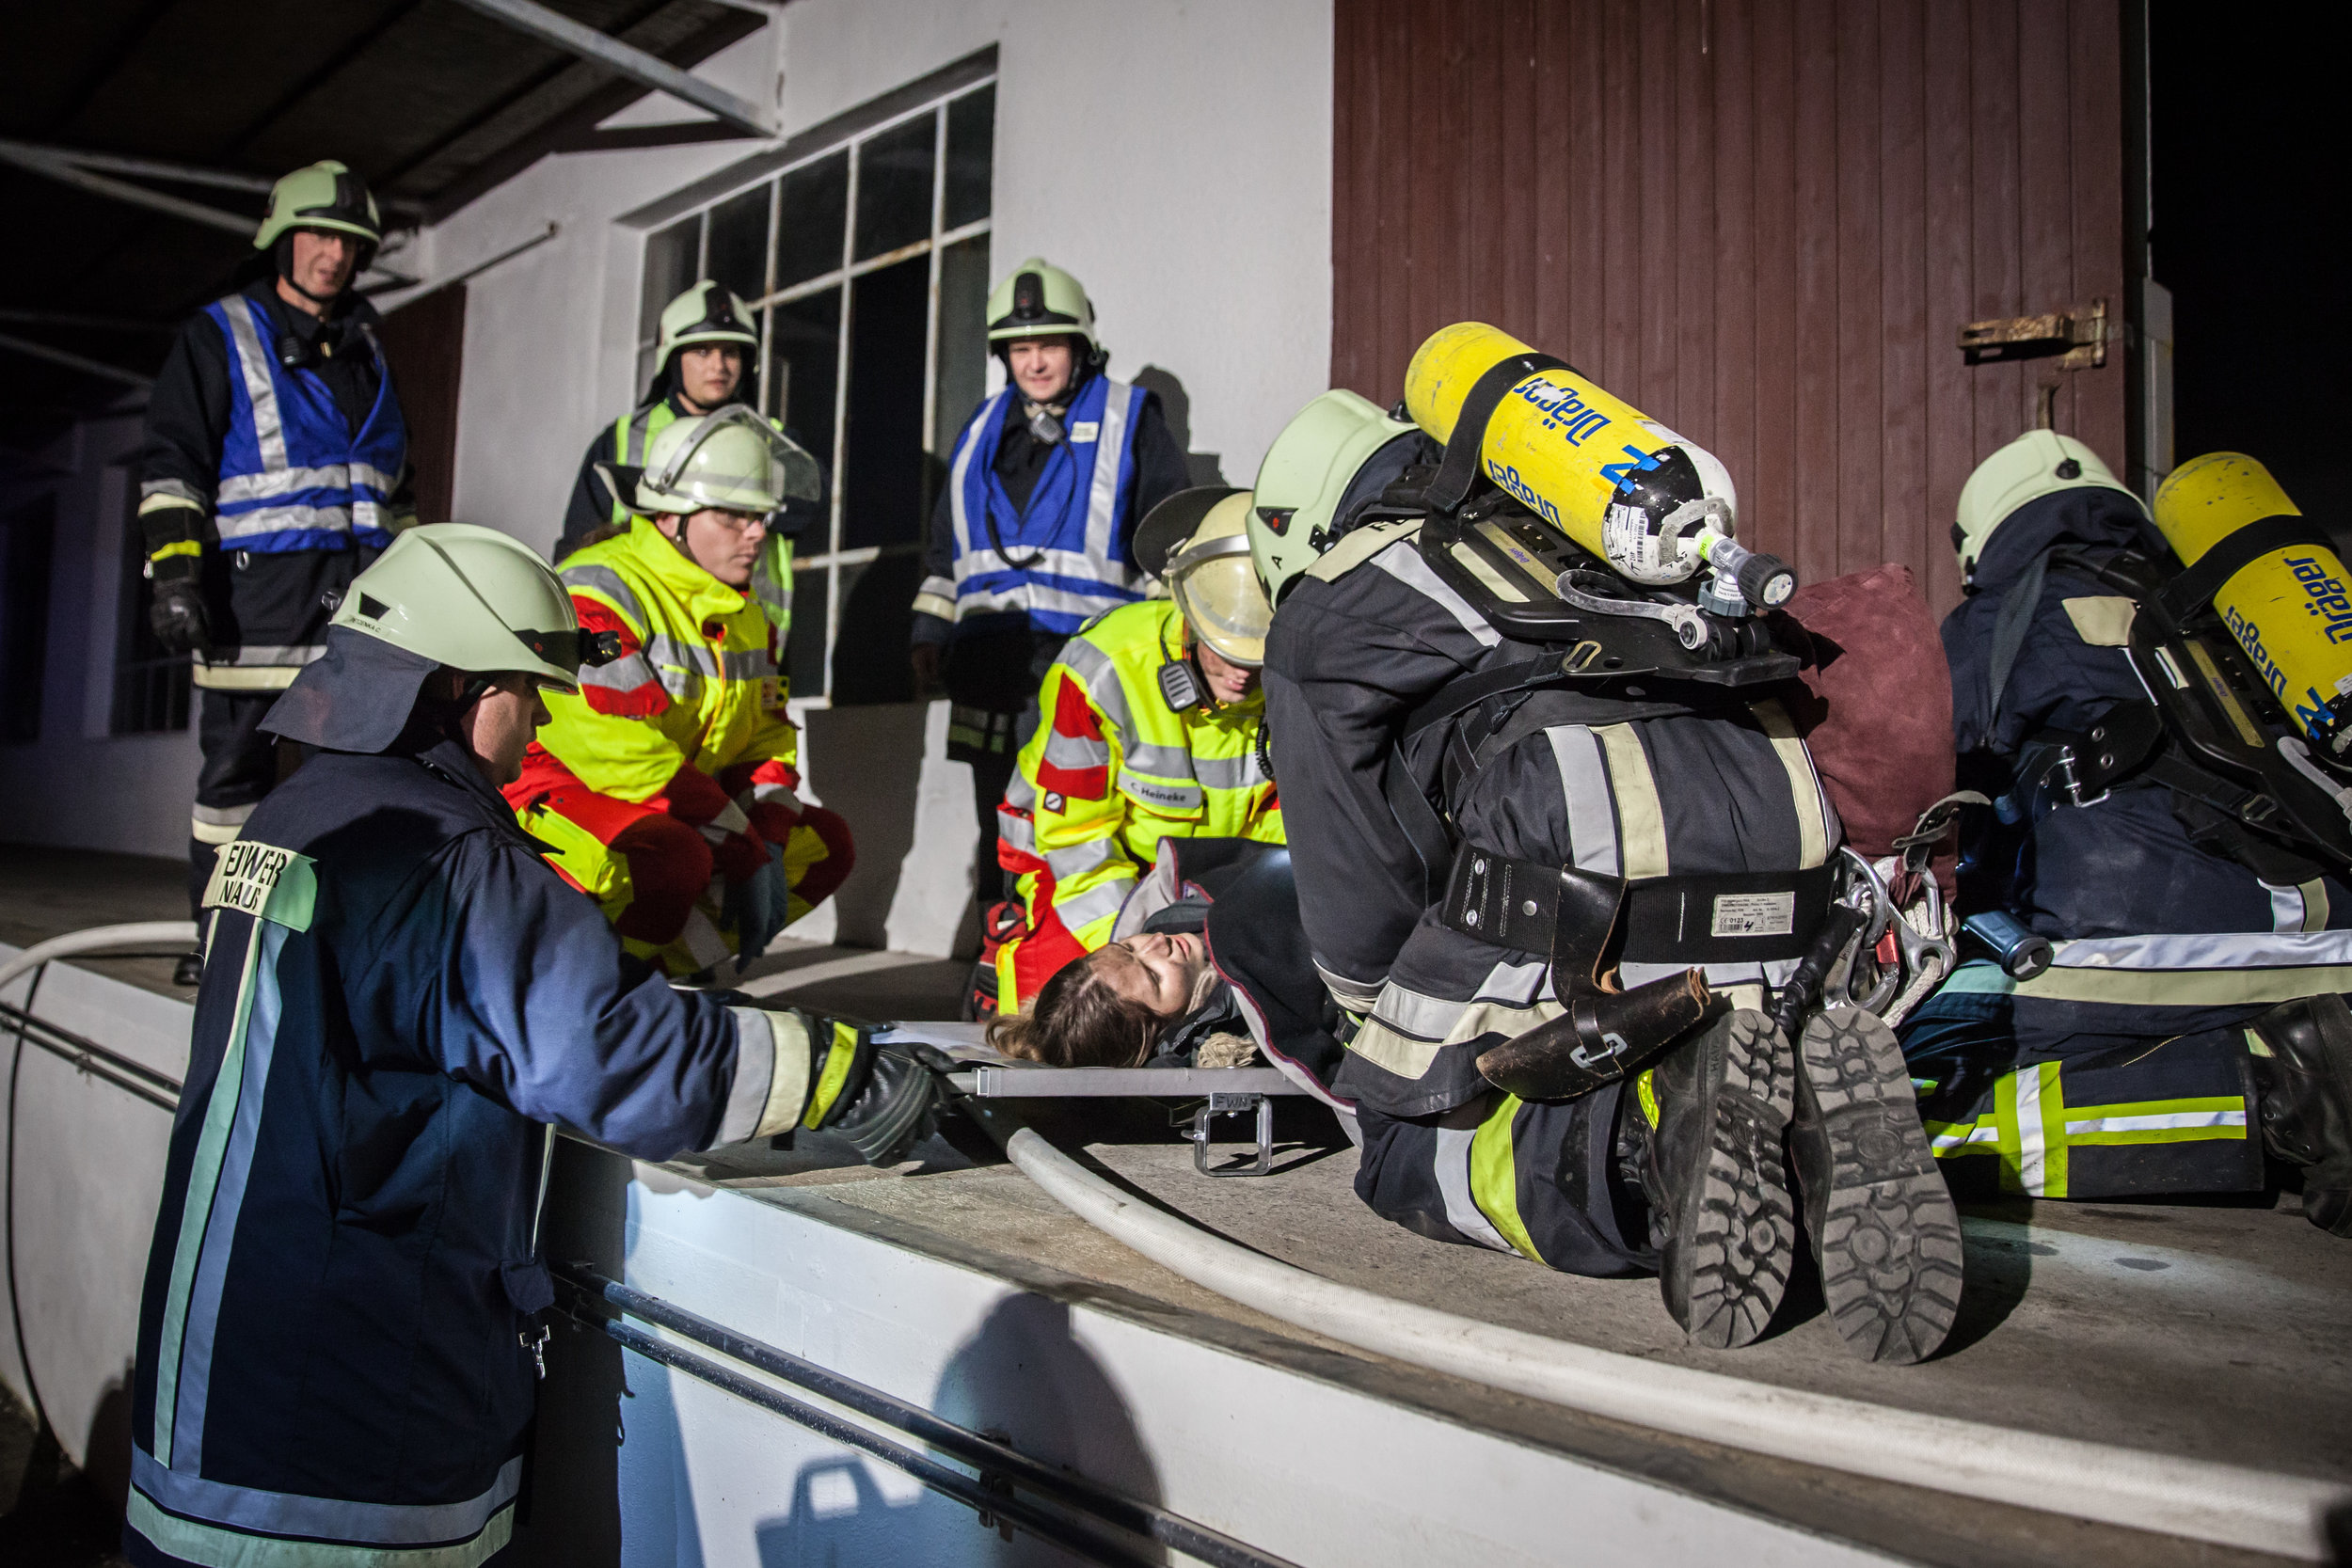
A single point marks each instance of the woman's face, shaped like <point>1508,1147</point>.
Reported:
<point>1159,971</point>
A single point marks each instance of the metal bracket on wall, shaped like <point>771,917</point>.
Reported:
<point>2078,338</point>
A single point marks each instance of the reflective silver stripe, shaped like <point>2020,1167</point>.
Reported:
<point>269,429</point>
<point>737,664</point>
<point>629,437</point>
<point>1021,792</point>
<point>606,581</point>
<point>259,1037</point>
<point>1411,1012</point>
<point>224,817</point>
<point>173,489</point>
<point>1147,791</point>
<point>1016,829</point>
<point>2208,950</point>
<point>755,1075</point>
<point>1358,996</point>
<point>1036,596</point>
<point>292,519</point>
<point>323,1518</point>
<point>991,409</point>
<point>626,673</point>
<point>285,482</point>
<point>1240,772</point>
<point>942,588</point>
<point>1164,761</point>
<point>1518,984</point>
<point>266,654</point>
<point>2156,1123</point>
<point>1076,860</point>
<point>1100,676</point>
<point>1096,903</point>
<point>1584,791</point>
<point>1404,563</point>
<point>1070,751</point>
<point>1453,1162</point>
<point>1110,444</point>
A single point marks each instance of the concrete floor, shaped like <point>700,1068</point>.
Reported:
<point>2212,1330</point>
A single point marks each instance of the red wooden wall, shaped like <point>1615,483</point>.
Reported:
<point>1761,221</point>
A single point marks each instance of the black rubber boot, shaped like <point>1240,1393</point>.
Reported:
<point>189,970</point>
<point>2305,1102</point>
<point>1884,1233</point>
<point>1720,1214</point>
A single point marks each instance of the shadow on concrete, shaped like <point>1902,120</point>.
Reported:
<point>1023,1379</point>
<point>1996,1273</point>
<point>52,1513</point>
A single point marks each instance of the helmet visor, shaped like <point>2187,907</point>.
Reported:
<point>1218,592</point>
<point>735,461</point>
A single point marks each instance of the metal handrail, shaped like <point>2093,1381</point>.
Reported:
<point>993,1460</point>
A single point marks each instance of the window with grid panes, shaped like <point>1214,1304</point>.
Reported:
<point>866,266</point>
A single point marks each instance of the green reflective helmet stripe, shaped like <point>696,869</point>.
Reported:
<point>1303,479</point>
<point>707,313</point>
<point>325,195</point>
<point>2039,463</point>
<point>1039,300</point>
<point>730,459</point>
<point>469,598</point>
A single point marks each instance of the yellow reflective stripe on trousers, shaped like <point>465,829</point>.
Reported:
<point>2031,1129</point>
<point>837,1064</point>
<point>196,1207</point>
<point>1495,1177</point>
<point>196,1542</point>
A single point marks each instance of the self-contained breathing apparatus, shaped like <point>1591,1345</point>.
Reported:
<point>2244,652</point>
<point>1572,522</point>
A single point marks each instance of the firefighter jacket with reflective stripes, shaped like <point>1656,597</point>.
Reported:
<point>268,485</point>
<point>398,992</point>
<point>2142,861</point>
<point>1111,770</point>
<point>1060,557</point>
<point>1368,635</point>
<point>697,689</point>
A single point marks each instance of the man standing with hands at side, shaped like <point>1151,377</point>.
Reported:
<point>276,465</point>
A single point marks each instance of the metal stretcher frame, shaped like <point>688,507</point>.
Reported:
<point>1230,1091</point>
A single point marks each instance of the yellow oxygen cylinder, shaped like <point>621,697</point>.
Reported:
<point>2289,609</point>
<point>1654,505</point>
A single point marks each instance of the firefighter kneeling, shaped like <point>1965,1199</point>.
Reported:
<point>1152,732</point>
<point>667,786</point>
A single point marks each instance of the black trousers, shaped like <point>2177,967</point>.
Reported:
<point>994,670</point>
<point>239,767</point>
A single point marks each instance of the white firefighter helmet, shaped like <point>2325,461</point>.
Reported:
<point>730,459</point>
<point>1304,477</point>
<point>704,315</point>
<point>1039,300</point>
<point>469,598</point>
<point>1197,542</point>
<point>2039,463</point>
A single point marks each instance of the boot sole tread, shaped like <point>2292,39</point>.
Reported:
<point>1890,1241</point>
<point>1744,1233</point>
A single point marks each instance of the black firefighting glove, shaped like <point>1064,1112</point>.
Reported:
<point>177,616</point>
<point>883,1100</point>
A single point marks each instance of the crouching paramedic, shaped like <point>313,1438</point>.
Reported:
<point>1152,729</point>
<point>673,769</point>
<point>337,1344</point>
<point>1573,807</point>
<point>2193,1021</point>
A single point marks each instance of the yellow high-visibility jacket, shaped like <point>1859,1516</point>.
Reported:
<point>698,688</point>
<point>1111,770</point>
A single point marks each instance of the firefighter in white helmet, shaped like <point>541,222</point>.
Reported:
<point>678,761</point>
<point>2192,1025</point>
<point>1029,539</point>
<point>276,464</point>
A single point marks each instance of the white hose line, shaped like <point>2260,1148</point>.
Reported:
<point>2196,1498</point>
<point>101,939</point>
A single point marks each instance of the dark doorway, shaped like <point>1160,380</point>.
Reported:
<point>425,343</point>
<point>882,482</point>
<point>2245,139</point>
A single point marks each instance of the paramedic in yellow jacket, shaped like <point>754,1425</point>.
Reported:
<point>1153,731</point>
<point>667,785</point>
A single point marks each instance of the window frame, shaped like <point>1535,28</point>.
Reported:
<point>831,559</point>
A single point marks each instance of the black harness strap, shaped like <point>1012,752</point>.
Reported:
<point>2190,592</point>
<point>1727,917</point>
<point>1459,470</point>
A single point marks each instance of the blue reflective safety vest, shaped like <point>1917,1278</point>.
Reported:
<point>1062,561</point>
<point>398,991</point>
<point>292,476</point>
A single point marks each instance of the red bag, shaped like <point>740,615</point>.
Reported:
<point>1880,720</point>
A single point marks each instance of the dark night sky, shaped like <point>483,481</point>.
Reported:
<point>2249,175</point>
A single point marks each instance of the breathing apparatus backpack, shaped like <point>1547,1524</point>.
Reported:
<point>1572,522</point>
<point>2245,650</point>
